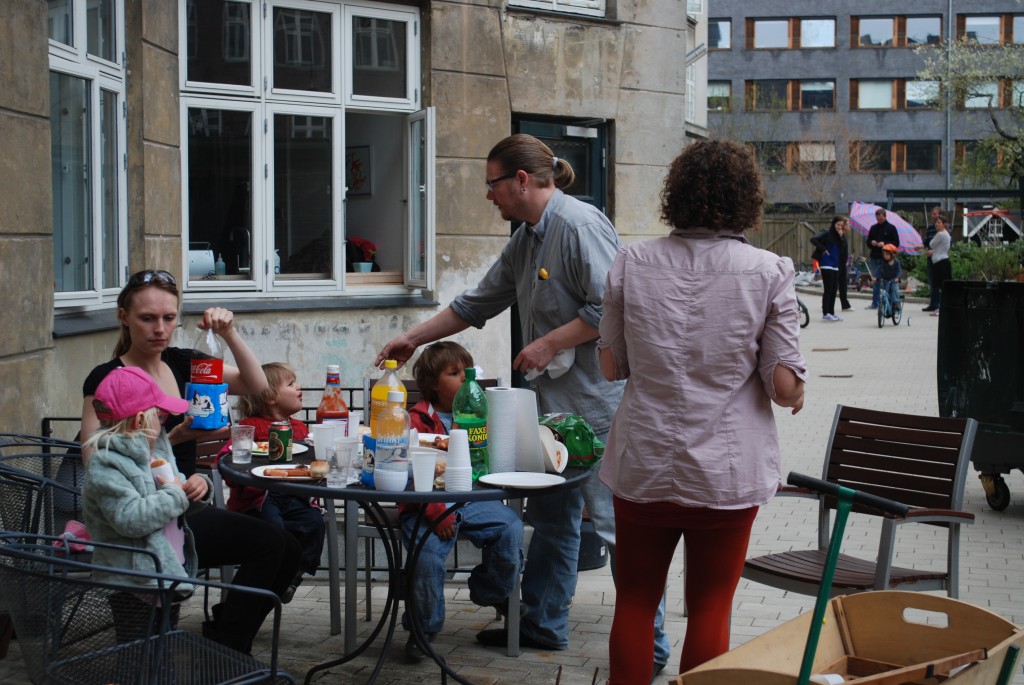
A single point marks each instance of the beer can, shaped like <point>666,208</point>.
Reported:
<point>280,448</point>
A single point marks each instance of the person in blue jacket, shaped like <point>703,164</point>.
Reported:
<point>828,248</point>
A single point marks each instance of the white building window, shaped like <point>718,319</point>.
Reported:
<point>310,145</point>
<point>875,94</point>
<point>87,147</point>
<point>983,96</point>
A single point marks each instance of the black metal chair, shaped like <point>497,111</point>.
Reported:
<point>31,502</point>
<point>74,628</point>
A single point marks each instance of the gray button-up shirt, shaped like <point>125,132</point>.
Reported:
<point>575,244</point>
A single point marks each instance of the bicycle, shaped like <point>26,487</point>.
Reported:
<point>887,309</point>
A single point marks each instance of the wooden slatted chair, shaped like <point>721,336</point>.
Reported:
<point>918,460</point>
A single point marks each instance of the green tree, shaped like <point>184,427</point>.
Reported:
<point>991,76</point>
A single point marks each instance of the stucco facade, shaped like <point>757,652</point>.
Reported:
<point>482,64</point>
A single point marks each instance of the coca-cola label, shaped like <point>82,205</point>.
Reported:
<point>207,371</point>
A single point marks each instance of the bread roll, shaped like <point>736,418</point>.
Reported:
<point>318,469</point>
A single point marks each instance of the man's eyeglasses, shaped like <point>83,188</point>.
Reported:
<point>490,183</point>
<point>141,278</point>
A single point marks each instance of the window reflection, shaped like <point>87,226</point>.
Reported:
<point>379,57</point>
<point>109,187</point>
<point>220,187</point>
<point>719,34</point>
<point>99,29</point>
<point>60,21</point>
<point>771,34</point>
<point>218,35</point>
<point>303,222</point>
<point>302,50</point>
<point>876,33</point>
<point>72,208</point>
<point>924,31</point>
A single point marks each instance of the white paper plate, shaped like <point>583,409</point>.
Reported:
<point>297,448</point>
<point>258,471</point>
<point>523,480</point>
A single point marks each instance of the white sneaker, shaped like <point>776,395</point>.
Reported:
<point>836,317</point>
<point>830,318</point>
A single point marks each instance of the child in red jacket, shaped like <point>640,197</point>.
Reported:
<point>299,516</point>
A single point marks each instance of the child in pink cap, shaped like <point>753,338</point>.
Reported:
<point>133,492</point>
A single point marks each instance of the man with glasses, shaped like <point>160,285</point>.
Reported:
<point>554,267</point>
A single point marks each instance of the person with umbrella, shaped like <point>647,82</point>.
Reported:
<point>881,234</point>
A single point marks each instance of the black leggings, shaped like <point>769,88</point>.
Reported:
<point>267,556</point>
<point>942,271</point>
<point>830,281</point>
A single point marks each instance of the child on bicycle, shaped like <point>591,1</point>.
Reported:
<point>889,273</point>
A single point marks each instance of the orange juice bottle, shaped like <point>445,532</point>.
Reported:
<point>379,393</point>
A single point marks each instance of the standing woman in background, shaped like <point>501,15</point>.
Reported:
<point>705,329</point>
<point>938,254</point>
<point>267,556</point>
<point>829,248</point>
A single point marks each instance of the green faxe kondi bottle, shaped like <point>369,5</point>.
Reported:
<point>469,409</point>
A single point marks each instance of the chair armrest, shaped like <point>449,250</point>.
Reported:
<point>937,516</point>
<point>803,493</point>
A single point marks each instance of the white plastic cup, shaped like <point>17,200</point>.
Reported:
<point>241,443</point>
<point>324,435</point>
<point>354,419</point>
<point>458,448</point>
<point>423,464</point>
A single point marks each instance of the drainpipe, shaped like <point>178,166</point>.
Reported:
<point>950,32</point>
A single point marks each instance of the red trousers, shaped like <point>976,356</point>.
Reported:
<point>646,536</point>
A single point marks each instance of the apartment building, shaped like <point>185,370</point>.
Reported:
<point>828,93</point>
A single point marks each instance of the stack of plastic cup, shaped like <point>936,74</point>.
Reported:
<point>458,476</point>
<point>324,435</point>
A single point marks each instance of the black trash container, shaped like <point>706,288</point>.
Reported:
<point>980,366</point>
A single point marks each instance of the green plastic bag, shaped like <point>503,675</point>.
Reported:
<point>585,450</point>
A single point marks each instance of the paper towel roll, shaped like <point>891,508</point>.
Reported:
<point>502,411</point>
<point>512,430</point>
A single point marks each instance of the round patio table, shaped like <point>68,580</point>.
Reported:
<point>370,500</point>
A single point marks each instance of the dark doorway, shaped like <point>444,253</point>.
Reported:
<point>584,143</point>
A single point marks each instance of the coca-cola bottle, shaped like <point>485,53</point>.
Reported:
<point>207,359</point>
<point>207,394</point>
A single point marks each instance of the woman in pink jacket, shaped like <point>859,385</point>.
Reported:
<point>705,328</point>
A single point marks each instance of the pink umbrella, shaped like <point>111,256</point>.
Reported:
<point>862,218</point>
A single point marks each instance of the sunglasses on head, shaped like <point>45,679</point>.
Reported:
<point>141,278</point>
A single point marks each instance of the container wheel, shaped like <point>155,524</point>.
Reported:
<point>1000,499</point>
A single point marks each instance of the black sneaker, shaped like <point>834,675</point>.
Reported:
<point>658,668</point>
<point>289,592</point>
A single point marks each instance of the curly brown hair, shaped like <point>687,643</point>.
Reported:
<point>713,184</point>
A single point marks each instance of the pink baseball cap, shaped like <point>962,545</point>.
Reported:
<point>127,390</point>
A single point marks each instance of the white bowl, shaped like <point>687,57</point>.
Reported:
<point>390,478</point>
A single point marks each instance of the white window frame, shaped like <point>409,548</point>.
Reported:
<point>593,8</point>
<point>262,281</point>
<point>338,43</point>
<point>410,102</point>
<point>255,48</point>
<point>101,75</point>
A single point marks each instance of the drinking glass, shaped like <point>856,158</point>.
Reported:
<point>241,443</point>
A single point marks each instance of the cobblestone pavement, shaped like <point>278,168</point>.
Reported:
<point>851,362</point>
